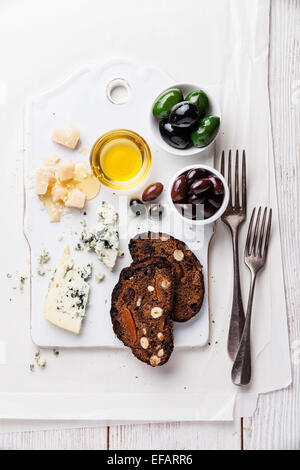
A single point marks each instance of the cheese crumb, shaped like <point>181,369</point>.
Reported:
<point>99,277</point>
<point>43,259</point>
<point>23,278</point>
<point>40,270</point>
<point>40,361</point>
<point>51,161</point>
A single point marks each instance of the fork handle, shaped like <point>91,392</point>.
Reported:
<point>237,319</point>
<point>241,370</point>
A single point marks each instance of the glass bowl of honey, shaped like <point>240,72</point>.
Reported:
<point>120,159</point>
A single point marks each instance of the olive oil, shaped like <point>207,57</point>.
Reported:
<point>121,159</point>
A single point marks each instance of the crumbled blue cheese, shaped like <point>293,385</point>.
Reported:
<point>67,298</point>
<point>23,278</point>
<point>106,214</point>
<point>43,259</point>
<point>104,237</point>
<point>41,270</point>
<point>40,361</point>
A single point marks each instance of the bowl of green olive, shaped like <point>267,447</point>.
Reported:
<point>185,119</point>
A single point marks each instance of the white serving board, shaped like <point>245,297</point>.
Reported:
<point>82,101</point>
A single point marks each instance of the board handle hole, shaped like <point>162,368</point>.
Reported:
<point>118,91</point>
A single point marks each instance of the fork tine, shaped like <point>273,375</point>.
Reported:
<point>262,230</point>
<point>229,178</point>
<point>236,183</point>
<point>253,250</point>
<point>247,246</point>
<point>244,182</point>
<point>222,169</point>
<point>268,235</point>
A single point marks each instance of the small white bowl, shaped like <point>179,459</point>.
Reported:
<point>214,110</point>
<point>219,212</point>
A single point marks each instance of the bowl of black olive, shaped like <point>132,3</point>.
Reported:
<point>199,194</point>
<point>185,119</point>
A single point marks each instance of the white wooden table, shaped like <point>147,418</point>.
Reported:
<point>276,423</point>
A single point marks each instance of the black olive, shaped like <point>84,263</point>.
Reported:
<point>184,114</point>
<point>218,188</point>
<point>195,174</point>
<point>209,211</point>
<point>215,201</point>
<point>178,191</point>
<point>196,199</point>
<point>178,137</point>
<point>137,207</point>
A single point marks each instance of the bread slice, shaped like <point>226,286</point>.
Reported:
<point>187,270</point>
<point>142,302</point>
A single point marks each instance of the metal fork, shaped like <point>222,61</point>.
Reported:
<point>256,251</point>
<point>233,217</point>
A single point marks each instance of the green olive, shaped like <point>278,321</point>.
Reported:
<point>200,99</point>
<point>166,101</point>
<point>207,130</point>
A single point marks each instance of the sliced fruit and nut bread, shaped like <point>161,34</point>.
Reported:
<point>187,270</point>
<point>141,307</point>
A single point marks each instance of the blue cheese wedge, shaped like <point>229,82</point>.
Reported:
<point>104,237</point>
<point>67,298</point>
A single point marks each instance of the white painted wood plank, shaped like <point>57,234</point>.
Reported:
<point>179,436</point>
<point>276,424</point>
<point>65,439</point>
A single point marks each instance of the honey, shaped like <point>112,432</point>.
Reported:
<point>121,159</point>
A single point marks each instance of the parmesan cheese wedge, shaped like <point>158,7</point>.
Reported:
<point>75,199</point>
<point>68,137</point>
<point>58,193</point>
<point>44,177</point>
<point>65,171</point>
<point>67,297</point>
